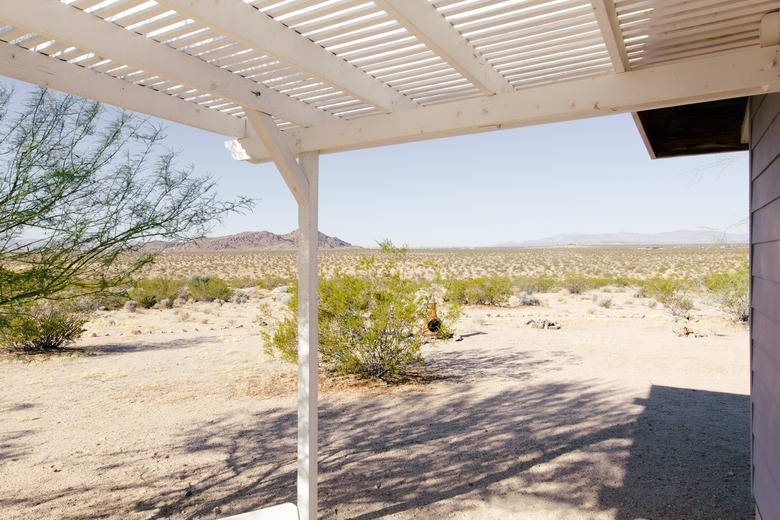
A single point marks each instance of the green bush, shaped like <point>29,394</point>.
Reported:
<point>150,292</point>
<point>272,282</point>
<point>671,292</point>
<point>43,326</point>
<point>535,284</point>
<point>733,290</point>
<point>370,323</point>
<point>208,289</point>
<point>485,290</point>
<point>578,284</point>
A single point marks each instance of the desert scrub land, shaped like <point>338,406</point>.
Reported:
<point>584,397</point>
<point>555,262</point>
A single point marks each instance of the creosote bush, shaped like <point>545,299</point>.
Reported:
<point>370,322</point>
<point>485,290</point>
<point>208,289</point>
<point>671,293</point>
<point>152,291</point>
<point>732,288</point>
<point>41,326</point>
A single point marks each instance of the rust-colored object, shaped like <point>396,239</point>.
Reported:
<point>432,323</point>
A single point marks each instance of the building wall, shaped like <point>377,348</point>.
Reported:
<point>765,301</point>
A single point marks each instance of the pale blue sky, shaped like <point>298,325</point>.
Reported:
<point>589,176</point>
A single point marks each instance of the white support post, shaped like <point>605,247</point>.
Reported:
<point>308,238</point>
<point>302,177</point>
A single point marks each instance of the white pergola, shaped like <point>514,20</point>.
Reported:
<point>288,80</point>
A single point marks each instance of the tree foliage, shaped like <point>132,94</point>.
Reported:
<point>90,185</point>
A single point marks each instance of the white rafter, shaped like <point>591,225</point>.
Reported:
<point>257,30</point>
<point>36,68</point>
<point>606,15</point>
<point>429,26</point>
<point>744,73</point>
<point>63,22</point>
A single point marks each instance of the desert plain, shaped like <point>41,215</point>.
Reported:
<point>180,413</point>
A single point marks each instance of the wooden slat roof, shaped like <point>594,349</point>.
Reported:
<point>344,74</point>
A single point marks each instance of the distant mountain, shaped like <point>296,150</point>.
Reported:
<point>683,237</point>
<point>247,241</point>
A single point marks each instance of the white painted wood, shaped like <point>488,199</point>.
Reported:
<point>258,30</point>
<point>606,15</point>
<point>308,355</point>
<point>430,27</point>
<point>750,72</point>
<point>643,134</point>
<point>63,22</point>
<point>281,512</point>
<point>38,69</point>
<point>280,153</point>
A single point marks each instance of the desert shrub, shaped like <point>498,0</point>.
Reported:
<point>208,289</point>
<point>527,299</point>
<point>370,322</point>
<point>531,285</point>
<point>272,282</point>
<point>131,305</point>
<point>602,301</point>
<point>107,302</point>
<point>485,290</point>
<point>732,288</point>
<point>671,293</point>
<point>241,282</point>
<point>240,298</point>
<point>151,291</point>
<point>578,284</point>
<point>42,326</point>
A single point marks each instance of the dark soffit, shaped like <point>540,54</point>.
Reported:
<point>701,128</point>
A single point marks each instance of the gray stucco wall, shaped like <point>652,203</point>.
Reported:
<point>765,319</point>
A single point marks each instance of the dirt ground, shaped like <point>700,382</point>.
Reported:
<point>178,413</point>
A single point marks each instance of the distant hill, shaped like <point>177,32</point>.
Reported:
<point>683,237</point>
<point>247,241</point>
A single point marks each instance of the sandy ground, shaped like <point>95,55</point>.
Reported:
<point>178,413</point>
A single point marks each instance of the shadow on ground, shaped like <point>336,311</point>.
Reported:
<point>381,457</point>
<point>582,445</point>
<point>686,444</point>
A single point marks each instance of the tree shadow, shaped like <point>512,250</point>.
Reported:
<point>423,454</point>
<point>382,455</point>
<point>108,348</point>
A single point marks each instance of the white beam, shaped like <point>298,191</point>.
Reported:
<point>280,153</point>
<point>744,73</point>
<point>606,16</point>
<point>308,298</point>
<point>423,20</point>
<point>256,29</point>
<point>32,67</point>
<point>643,135</point>
<point>62,22</point>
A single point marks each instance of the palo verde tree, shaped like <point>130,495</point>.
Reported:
<point>81,186</point>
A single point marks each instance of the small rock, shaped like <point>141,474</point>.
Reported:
<point>457,337</point>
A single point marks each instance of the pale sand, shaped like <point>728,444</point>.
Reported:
<point>611,417</point>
